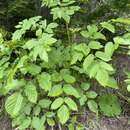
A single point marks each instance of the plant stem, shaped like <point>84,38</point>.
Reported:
<point>52,128</point>
<point>68,33</point>
<point>59,126</point>
<point>123,97</point>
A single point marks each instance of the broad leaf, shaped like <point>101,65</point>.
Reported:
<point>13,104</point>
<point>99,35</point>
<point>93,69</point>
<point>88,61</point>
<point>91,94</point>
<point>57,103</point>
<point>82,100</point>
<point>109,49</point>
<point>69,90</point>
<point>108,26</point>
<point>37,123</point>
<point>110,105</point>
<point>56,90</point>
<point>45,103</point>
<point>56,77</point>
<point>69,78</point>
<point>85,86</point>
<point>25,124</point>
<point>50,122</point>
<point>31,92</point>
<point>36,110</point>
<point>45,81</point>
<point>92,106</point>
<point>102,77</point>
<point>63,114</point>
<point>83,48</point>
<point>76,56</point>
<point>112,83</point>
<point>71,104</point>
<point>106,66</point>
<point>103,56</point>
<point>95,45</point>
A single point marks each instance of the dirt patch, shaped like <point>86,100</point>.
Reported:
<point>90,121</point>
<point>5,123</point>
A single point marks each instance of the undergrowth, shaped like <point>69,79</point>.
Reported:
<point>47,75</point>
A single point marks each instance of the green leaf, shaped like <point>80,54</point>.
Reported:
<point>31,92</point>
<point>82,100</point>
<point>63,114</point>
<point>15,84</point>
<point>99,35</point>
<point>120,41</point>
<point>37,123</point>
<point>112,83</point>
<point>95,45</point>
<point>50,114</point>
<point>69,78</point>
<point>64,12</point>
<point>102,56</point>
<point>91,94</point>
<point>92,106</point>
<point>85,86</point>
<point>40,46</point>
<point>55,91</point>
<point>32,69</point>
<point>109,49</point>
<point>121,20</point>
<point>43,54</point>
<point>17,35</point>
<point>56,77</point>
<point>13,104</point>
<point>71,126</point>
<point>45,81</point>
<point>36,110</point>
<point>83,48</point>
<point>50,122</point>
<point>76,56</point>
<point>88,61</point>
<point>128,88</point>
<point>108,26</point>
<point>69,90</point>
<point>45,103</point>
<point>85,34</point>
<point>106,66</point>
<point>28,108</point>
<point>25,124</point>
<point>93,69</point>
<point>57,103</point>
<point>92,29</point>
<point>109,105</point>
<point>39,32</point>
<point>71,104</point>
<point>52,25</point>
<point>102,77</point>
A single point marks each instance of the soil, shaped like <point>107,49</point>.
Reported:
<point>104,123</point>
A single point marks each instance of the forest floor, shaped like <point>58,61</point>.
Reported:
<point>104,123</point>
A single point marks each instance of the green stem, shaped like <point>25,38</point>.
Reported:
<point>68,33</point>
